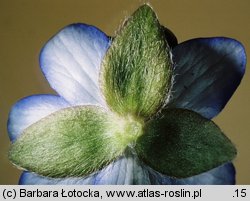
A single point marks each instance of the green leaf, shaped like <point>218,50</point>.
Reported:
<point>183,144</point>
<point>137,69</point>
<point>73,142</point>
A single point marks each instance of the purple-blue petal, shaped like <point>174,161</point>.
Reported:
<point>207,72</point>
<point>71,63</point>
<point>31,109</point>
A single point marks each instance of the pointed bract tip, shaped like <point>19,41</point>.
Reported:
<point>145,8</point>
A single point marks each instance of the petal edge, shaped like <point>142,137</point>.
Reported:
<point>71,62</point>
<point>30,109</point>
<point>207,72</point>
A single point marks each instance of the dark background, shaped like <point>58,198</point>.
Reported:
<point>25,25</point>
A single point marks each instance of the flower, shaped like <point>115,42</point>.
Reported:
<point>129,110</point>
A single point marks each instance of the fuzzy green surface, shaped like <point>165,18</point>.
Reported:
<point>136,72</point>
<point>183,144</point>
<point>71,142</point>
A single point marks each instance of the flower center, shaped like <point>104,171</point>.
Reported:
<point>128,131</point>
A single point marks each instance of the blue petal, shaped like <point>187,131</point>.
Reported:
<point>129,170</point>
<point>207,72</point>
<point>222,175</point>
<point>126,170</point>
<point>31,109</point>
<point>28,178</point>
<point>71,63</point>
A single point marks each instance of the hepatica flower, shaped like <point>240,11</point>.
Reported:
<point>134,109</point>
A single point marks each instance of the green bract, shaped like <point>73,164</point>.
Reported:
<point>183,143</point>
<point>137,69</point>
<point>135,78</point>
<point>73,142</point>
